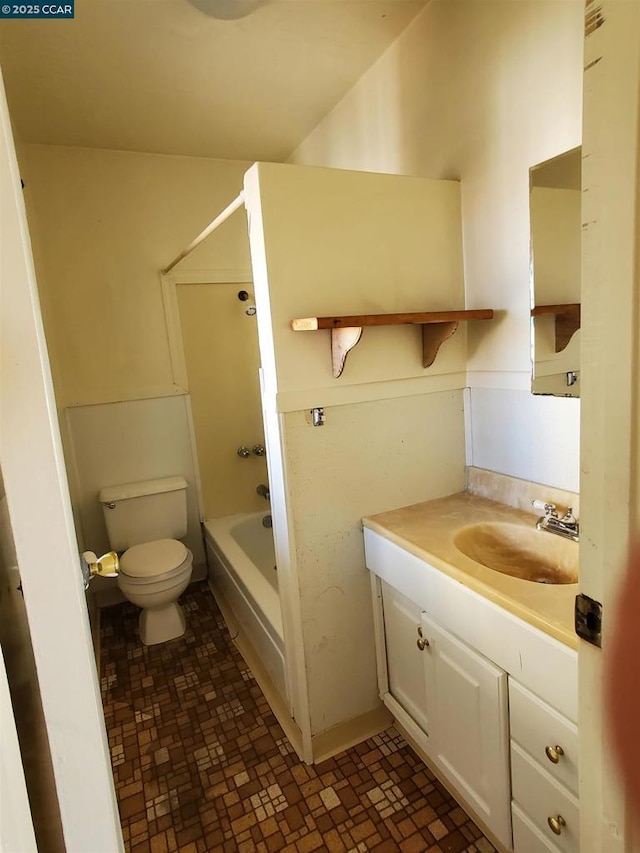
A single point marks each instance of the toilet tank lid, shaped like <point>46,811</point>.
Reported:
<point>145,487</point>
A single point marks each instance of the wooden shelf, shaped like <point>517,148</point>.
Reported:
<point>346,331</point>
<point>567,320</point>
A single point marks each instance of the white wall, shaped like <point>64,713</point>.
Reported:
<point>534,448</point>
<point>127,442</point>
<point>479,90</point>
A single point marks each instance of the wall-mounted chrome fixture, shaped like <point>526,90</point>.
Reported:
<point>317,416</point>
<point>263,491</point>
<point>257,450</point>
<point>244,296</point>
<point>572,377</point>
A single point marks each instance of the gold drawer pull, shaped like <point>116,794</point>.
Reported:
<point>554,753</point>
<point>556,824</point>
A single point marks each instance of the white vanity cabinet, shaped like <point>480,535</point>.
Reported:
<point>454,703</point>
<point>404,655</point>
<point>469,735</point>
<point>490,700</point>
<point>544,770</point>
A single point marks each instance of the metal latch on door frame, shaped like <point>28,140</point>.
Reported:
<point>588,619</point>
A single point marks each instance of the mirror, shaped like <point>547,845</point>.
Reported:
<point>555,193</point>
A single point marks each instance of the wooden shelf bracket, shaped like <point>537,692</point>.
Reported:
<point>346,331</point>
<point>433,336</point>
<point>567,321</point>
<point>342,342</point>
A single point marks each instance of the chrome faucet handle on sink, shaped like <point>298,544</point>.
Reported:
<point>567,526</point>
<point>548,509</point>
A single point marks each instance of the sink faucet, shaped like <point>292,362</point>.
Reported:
<point>567,526</point>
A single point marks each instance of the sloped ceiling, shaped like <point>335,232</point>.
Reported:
<point>160,76</point>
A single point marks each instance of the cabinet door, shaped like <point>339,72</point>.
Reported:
<point>402,619</point>
<point>469,736</point>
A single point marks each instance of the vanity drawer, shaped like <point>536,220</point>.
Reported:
<point>526,837</point>
<point>540,797</point>
<point>539,730</point>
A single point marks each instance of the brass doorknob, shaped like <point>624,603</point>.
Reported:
<point>554,753</point>
<point>556,824</point>
<point>106,566</point>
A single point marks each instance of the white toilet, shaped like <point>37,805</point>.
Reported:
<point>145,521</point>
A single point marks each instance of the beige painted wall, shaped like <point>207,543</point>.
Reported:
<point>342,242</point>
<point>367,457</point>
<point>222,360</point>
<point>476,90</point>
<point>103,224</point>
<point>351,242</point>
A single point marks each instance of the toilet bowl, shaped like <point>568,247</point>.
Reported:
<point>152,576</point>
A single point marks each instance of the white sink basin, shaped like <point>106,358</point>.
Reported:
<point>521,552</point>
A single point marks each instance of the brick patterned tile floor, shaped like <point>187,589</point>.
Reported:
<point>201,764</point>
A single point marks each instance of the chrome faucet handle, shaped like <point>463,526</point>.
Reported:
<point>258,450</point>
<point>243,452</point>
<point>551,522</point>
<point>548,509</point>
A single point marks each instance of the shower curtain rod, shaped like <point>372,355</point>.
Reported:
<point>220,218</point>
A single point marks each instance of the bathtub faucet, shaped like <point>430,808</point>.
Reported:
<point>263,491</point>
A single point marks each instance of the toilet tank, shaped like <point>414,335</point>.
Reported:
<point>141,512</point>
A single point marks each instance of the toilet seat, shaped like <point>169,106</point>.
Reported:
<point>153,575</point>
<point>150,560</point>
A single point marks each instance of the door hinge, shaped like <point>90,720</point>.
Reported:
<point>588,619</point>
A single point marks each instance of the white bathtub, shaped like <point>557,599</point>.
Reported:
<point>242,573</point>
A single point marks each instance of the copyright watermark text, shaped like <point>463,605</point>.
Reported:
<point>38,10</point>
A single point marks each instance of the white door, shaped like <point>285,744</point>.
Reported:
<point>45,541</point>
<point>469,717</point>
<point>609,484</point>
<point>16,826</point>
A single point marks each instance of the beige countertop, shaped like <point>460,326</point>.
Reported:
<point>427,530</point>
